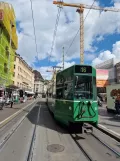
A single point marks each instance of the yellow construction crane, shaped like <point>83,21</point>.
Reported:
<point>80,10</point>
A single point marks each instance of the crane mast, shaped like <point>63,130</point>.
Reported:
<point>80,10</point>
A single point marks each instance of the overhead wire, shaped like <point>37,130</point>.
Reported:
<point>79,28</point>
<point>55,32</point>
<point>34,28</point>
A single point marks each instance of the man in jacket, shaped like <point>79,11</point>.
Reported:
<point>11,100</point>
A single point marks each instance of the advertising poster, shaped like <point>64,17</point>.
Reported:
<point>102,77</point>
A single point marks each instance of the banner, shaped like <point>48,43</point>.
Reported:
<point>102,83</point>
<point>102,76</point>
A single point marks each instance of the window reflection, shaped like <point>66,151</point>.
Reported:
<point>83,87</point>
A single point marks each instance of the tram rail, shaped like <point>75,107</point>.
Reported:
<point>31,149</point>
<point>15,125</point>
<point>87,146</point>
<point>106,145</point>
<point>81,148</point>
<point>102,142</point>
<point>86,151</point>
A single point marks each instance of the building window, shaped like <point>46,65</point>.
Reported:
<point>5,68</point>
<point>13,82</point>
<point>14,66</point>
<point>14,74</point>
<point>7,51</point>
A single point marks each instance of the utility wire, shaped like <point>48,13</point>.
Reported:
<point>34,28</point>
<point>55,31</point>
<point>79,29</point>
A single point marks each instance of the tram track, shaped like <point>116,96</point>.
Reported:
<point>21,143</point>
<point>81,148</point>
<point>106,145</point>
<point>10,128</point>
<point>94,148</point>
<point>32,141</point>
<point>100,140</point>
<point>31,149</point>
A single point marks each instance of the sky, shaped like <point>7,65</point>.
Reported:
<point>101,33</point>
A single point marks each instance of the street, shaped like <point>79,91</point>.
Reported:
<point>59,80</point>
<point>38,137</point>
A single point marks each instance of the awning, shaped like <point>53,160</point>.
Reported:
<point>12,87</point>
<point>29,92</point>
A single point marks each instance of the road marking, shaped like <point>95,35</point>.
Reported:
<point>2,123</point>
<point>99,125</point>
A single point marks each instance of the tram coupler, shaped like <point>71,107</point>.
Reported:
<point>88,129</point>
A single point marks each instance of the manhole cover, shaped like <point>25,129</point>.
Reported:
<point>55,148</point>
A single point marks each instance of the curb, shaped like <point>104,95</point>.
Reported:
<point>109,132</point>
<point>4,122</point>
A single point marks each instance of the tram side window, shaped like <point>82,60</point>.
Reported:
<point>94,88</point>
<point>59,93</point>
<point>68,91</point>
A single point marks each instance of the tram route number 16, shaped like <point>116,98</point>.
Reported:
<point>83,69</point>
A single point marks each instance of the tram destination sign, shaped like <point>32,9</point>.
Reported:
<point>83,69</point>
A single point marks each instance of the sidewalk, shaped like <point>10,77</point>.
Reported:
<point>109,120</point>
<point>7,111</point>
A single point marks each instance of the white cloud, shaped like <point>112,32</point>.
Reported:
<point>96,26</point>
<point>66,64</point>
<point>100,38</point>
<point>116,1</point>
<point>48,75</point>
<point>106,55</point>
<point>116,49</point>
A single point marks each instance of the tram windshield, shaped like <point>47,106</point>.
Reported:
<point>83,87</point>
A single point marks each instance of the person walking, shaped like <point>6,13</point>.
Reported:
<point>117,104</point>
<point>11,100</point>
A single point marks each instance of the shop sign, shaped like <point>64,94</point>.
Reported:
<point>102,83</point>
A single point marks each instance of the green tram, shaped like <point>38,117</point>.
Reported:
<point>75,101</point>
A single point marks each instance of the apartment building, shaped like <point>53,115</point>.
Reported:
<point>23,74</point>
<point>8,43</point>
<point>117,67</point>
<point>38,83</point>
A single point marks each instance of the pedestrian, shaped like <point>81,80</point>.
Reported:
<point>12,100</point>
<point>34,96</point>
<point>117,104</point>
